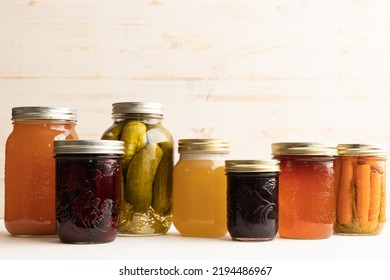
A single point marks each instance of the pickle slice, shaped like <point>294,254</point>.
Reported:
<point>113,132</point>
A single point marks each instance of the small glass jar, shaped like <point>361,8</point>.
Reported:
<point>306,189</point>
<point>88,189</point>
<point>147,167</point>
<point>252,199</point>
<point>199,192</point>
<point>360,189</point>
<point>29,168</point>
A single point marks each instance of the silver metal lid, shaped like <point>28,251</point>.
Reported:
<point>89,147</point>
<point>205,145</point>
<point>362,149</point>
<point>43,113</point>
<point>121,109</point>
<point>304,148</point>
<point>252,166</point>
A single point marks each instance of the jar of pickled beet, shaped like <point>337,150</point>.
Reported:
<point>29,168</point>
<point>147,167</point>
<point>199,188</point>
<point>252,199</point>
<point>360,189</point>
<point>306,189</point>
<point>88,189</point>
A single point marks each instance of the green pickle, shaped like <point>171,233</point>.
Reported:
<point>134,136</point>
<point>140,177</point>
<point>113,133</point>
<point>162,185</point>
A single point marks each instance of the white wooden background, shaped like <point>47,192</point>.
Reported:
<point>252,71</point>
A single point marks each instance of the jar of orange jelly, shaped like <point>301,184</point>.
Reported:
<point>30,168</point>
<point>199,188</point>
<point>306,189</point>
<point>360,189</point>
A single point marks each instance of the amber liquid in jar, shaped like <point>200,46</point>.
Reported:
<point>199,195</point>
<point>360,189</point>
<point>30,176</point>
<point>306,190</point>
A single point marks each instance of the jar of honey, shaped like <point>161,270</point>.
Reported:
<point>199,188</point>
<point>360,189</point>
<point>147,167</point>
<point>88,190</point>
<point>30,168</point>
<point>306,189</point>
<point>252,199</point>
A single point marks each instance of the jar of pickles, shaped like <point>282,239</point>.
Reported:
<point>252,199</point>
<point>199,191</point>
<point>29,168</point>
<point>88,190</point>
<point>360,180</point>
<point>147,167</point>
<point>306,189</point>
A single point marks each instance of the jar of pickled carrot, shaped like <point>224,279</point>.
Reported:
<point>30,168</point>
<point>306,189</point>
<point>88,190</point>
<point>360,189</point>
<point>199,188</point>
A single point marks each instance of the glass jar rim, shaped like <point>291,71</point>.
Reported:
<point>204,145</point>
<point>362,149</point>
<point>89,147</point>
<point>252,166</point>
<point>304,148</point>
<point>43,113</point>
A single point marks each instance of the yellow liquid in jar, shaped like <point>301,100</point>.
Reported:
<point>199,198</point>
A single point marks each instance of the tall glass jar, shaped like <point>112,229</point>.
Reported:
<point>306,189</point>
<point>88,190</point>
<point>360,180</point>
<point>147,166</point>
<point>199,191</point>
<point>30,168</point>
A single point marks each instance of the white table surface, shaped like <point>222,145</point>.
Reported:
<point>173,246</point>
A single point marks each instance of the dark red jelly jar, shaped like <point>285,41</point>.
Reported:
<point>252,199</point>
<point>88,190</point>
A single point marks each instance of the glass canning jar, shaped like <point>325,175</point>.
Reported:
<point>147,167</point>
<point>29,168</point>
<point>199,191</point>
<point>88,190</point>
<point>306,189</point>
<point>252,199</point>
<point>360,189</point>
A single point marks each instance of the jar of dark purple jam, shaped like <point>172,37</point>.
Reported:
<point>252,199</point>
<point>88,190</point>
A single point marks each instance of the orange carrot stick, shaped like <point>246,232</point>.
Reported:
<point>344,203</point>
<point>363,193</point>
<point>375,196</point>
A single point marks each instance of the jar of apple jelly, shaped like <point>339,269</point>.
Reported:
<point>147,167</point>
<point>252,199</point>
<point>199,188</point>
<point>306,189</point>
<point>88,181</point>
<point>29,168</point>
<point>360,180</point>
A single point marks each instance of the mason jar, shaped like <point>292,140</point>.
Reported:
<point>88,190</point>
<point>30,168</point>
<point>306,189</point>
<point>147,167</point>
<point>252,199</point>
<point>199,191</point>
<point>360,189</point>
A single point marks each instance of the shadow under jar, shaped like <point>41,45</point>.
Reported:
<point>88,181</point>
<point>252,199</point>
